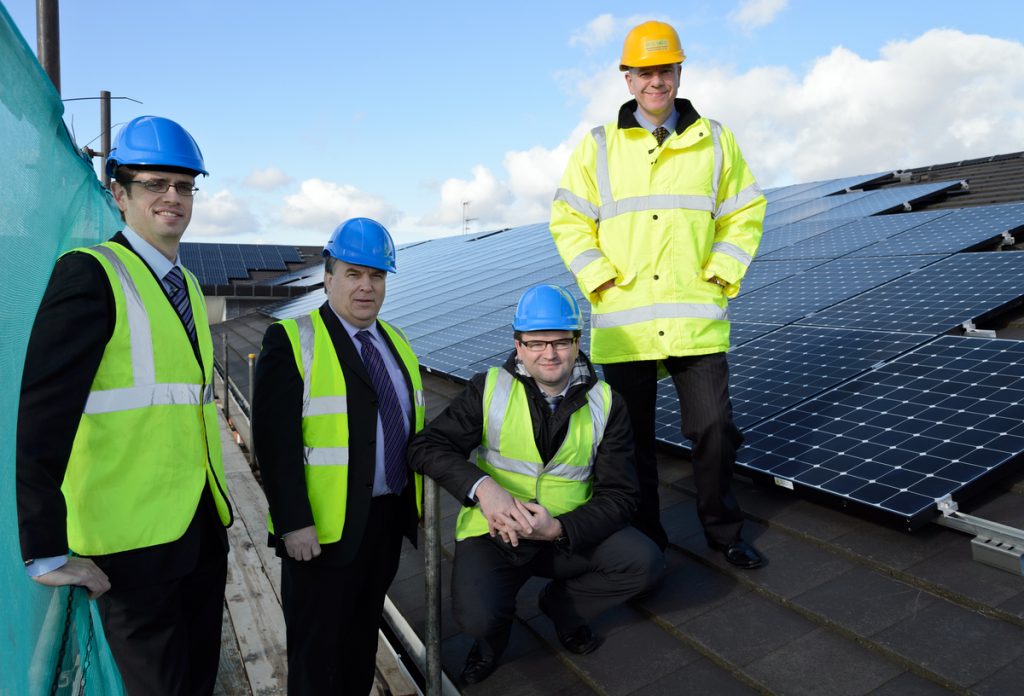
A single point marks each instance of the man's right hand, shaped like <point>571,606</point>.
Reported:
<point>604,286</point>
<point>302,544</point>
<point>504,514</point>
<point>77,571</point>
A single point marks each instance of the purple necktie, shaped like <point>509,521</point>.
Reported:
<point>179,300</point>
<point>390,410</point>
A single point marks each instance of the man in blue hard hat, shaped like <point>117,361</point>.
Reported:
<point>551,491</point>
<point>119,477</point>
<point>337,396</point>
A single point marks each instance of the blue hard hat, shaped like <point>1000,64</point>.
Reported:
<point>152,141</point>
<point>547,308</point>
<point>362,242</point>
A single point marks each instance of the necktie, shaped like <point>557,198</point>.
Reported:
<point>660,133</point>
<point>553,402</point>
<point>179,300</point>
<point>390,410</point>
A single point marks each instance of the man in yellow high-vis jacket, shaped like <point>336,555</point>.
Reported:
<point>338,395</point>
<point>551,491</point>
<point>118,453</point>
<point>658,218</point>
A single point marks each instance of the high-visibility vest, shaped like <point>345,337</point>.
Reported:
<point>661,222</point>
<point>509,455</point>
<point>149,440</point>
<point>325,419</point>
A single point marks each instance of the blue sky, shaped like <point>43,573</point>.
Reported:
<point>312,112</point>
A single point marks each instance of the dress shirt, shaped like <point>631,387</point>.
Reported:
<point>669,124</point>
<point>380,486</point>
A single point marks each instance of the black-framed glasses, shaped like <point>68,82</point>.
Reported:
<point>559,344</point>
<point>161,186</point>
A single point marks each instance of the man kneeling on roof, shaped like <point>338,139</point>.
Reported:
<point>551,492</point>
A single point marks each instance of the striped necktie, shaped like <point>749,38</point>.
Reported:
<point>390,410</point>
<point>179,300</point>
<point>553,402</point>
<point>660,133</point>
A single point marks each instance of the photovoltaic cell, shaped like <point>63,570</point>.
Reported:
<point>793,233</point>
<point>936,421</point>
<point>883,200</point>
<point>935,299</point>
<point>764,273</point>
<point>811,207</point>
<point>820,287</point>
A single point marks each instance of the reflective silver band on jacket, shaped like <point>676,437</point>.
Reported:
<point>318,405</point>
<point>665,310</point>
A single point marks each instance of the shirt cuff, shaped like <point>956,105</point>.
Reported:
<point>42,566</point>
<point>472,491</point>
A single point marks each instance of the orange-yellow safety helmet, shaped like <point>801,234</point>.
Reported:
<point>651,43</point>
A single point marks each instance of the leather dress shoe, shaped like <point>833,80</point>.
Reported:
<point>477,667</point>
<point>739,553</point>
<point>580,641</point>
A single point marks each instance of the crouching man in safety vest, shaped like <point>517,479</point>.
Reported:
<point>551,492</point>
<point>337,396</point>
<point>119,457</point>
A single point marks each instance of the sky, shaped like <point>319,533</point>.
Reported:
<point>309,113</point>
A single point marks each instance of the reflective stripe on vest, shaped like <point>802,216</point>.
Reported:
<point>321,405</point>
<point>145,391</point>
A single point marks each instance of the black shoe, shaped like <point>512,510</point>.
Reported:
<point>477,667</point>
<point>739,553</point>
<point>581,640</point>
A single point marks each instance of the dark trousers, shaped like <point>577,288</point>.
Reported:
<point>488,574</point>
<point>165,638</point>
<point>702,385</point>
<point>333,613</point>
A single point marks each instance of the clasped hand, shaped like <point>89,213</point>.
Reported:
<point>513,519</point>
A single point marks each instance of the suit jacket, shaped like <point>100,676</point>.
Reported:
<point>70,334</point>
<point>277,436</point>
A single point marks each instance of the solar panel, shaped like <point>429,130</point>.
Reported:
<point>793,233</point>
<point>820,287</point>
<point>935,299</point>
<point>938,420</point>
<point>961,229</point>
<point>810,208</point>
<point>846,183</point>
<point>841,240</point>
<point>899,198</point>
<point>762,273</point>
<point>777,370</point>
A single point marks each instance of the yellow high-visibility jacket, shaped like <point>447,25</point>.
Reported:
<point>148,441</point>
<point>662,222</point>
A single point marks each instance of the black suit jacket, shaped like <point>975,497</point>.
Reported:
<point>71,330</point>
<point>277,435</point>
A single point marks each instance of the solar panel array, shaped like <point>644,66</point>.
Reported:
<point>839,360</point>
<point>219,264</point>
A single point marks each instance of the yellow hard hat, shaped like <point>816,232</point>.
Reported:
<point>651,43</point>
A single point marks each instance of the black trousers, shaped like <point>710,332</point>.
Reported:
<point>489,573</point>
<point>165,638</point>
<point>702,385</point>
<point>332,613</point>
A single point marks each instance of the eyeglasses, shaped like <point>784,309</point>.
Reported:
<point>561,344</point>
<point>161,186</point>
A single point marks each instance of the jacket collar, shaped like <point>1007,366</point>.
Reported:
<point>687,115</point>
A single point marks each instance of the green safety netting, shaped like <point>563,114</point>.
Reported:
<point>50,201</point>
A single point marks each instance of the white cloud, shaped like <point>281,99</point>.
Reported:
<point>267,179</point>
<point>598,32</point>
<point>940,97</point>
<point>222,215</point>
<point>322,205</point>
<point>752,14</point>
